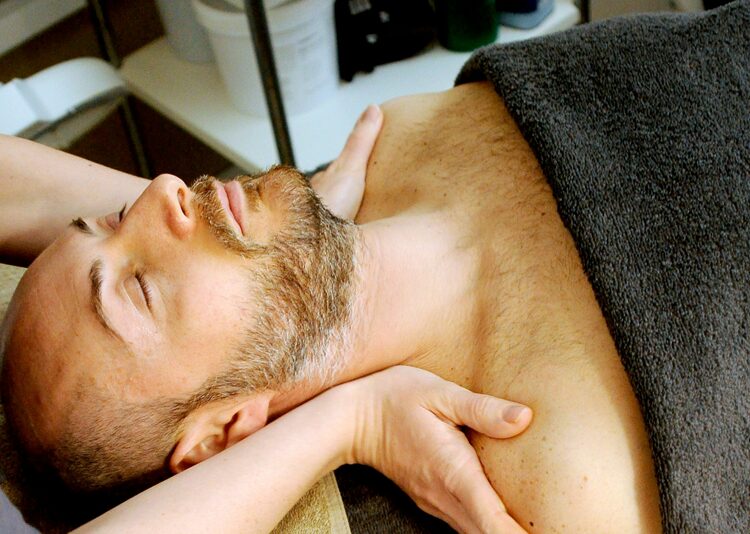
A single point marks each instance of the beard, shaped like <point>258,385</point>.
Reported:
<point>302,278</point>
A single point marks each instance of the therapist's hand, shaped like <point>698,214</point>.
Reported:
<point>342,185</point>
<point>408,428</point>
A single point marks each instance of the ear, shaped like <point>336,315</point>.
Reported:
<point>217,426</point>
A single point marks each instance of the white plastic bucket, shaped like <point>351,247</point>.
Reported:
<point>186,37</point>
<point>304,44</point>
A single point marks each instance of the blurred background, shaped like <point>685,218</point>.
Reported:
<point>195,103</point>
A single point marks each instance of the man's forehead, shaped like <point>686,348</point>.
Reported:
<point>50,320</point>
<point>56,280</point>
<point>34,363</point>
<point>53,351</point>
<point>43,309</point>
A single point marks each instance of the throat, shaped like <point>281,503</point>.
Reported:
<point>418,297</point>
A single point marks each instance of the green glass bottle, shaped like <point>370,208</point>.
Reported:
<point>464,25</point>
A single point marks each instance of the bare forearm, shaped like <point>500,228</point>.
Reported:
<point>402,421</point>
<point>42,189</point>
<point>249,487</point>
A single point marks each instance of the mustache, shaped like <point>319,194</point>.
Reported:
<point>209,209</point>
<point>282,209</point>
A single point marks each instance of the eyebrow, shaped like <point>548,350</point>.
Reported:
<point>96,277</point>
<point>82,226</point>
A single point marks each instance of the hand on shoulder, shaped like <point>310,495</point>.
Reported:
<point>341,186</point>
<point>408,426</point>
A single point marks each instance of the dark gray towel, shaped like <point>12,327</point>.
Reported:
<point>642,127</point>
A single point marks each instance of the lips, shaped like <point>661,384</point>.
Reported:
<point>230,196</point>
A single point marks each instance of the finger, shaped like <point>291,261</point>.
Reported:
<point>359,145</point>
<point>315,177</point>
<point>454,514</point>
<point>481,503</point>
<point>494,417</point>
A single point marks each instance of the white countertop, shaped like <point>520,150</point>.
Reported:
<point>21,20</point>
<point>193,96</point>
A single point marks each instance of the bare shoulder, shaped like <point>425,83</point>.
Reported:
<point>478,94</point>
<point>475,106</point>
<point>585,463</point>
<point>432,145</point>
<point>583,466</point>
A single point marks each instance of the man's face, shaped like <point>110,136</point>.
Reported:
<point>150,305</point>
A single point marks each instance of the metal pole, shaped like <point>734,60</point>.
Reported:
<point>256,19</point>
<point>585,11</point>
<point>107,47</point>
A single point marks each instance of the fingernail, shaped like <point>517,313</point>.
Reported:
<point>370,114</point>
<point>511,414</point>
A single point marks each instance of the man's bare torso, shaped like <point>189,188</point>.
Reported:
<point>536,334</point>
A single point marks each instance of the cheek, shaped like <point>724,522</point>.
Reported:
<point>213,310</point>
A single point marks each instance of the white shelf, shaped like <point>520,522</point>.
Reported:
<point>192,95</point>
<point>21,20</point>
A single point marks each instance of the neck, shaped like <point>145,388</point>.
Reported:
<point>414,300</point>
<point>415,294</point>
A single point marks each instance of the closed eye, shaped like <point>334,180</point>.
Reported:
<point>145,287</point>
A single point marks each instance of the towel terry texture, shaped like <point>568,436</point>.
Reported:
<point>642,127</point>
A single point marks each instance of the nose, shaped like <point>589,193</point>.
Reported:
<point>172,199</point>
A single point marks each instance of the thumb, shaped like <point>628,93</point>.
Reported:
<point>491,416</point>
<point>359,145</point>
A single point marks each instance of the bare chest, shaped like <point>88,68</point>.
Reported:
<point>536,334</point>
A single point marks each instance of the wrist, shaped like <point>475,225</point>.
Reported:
<point>364,414</point>
<point>340,408</point>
